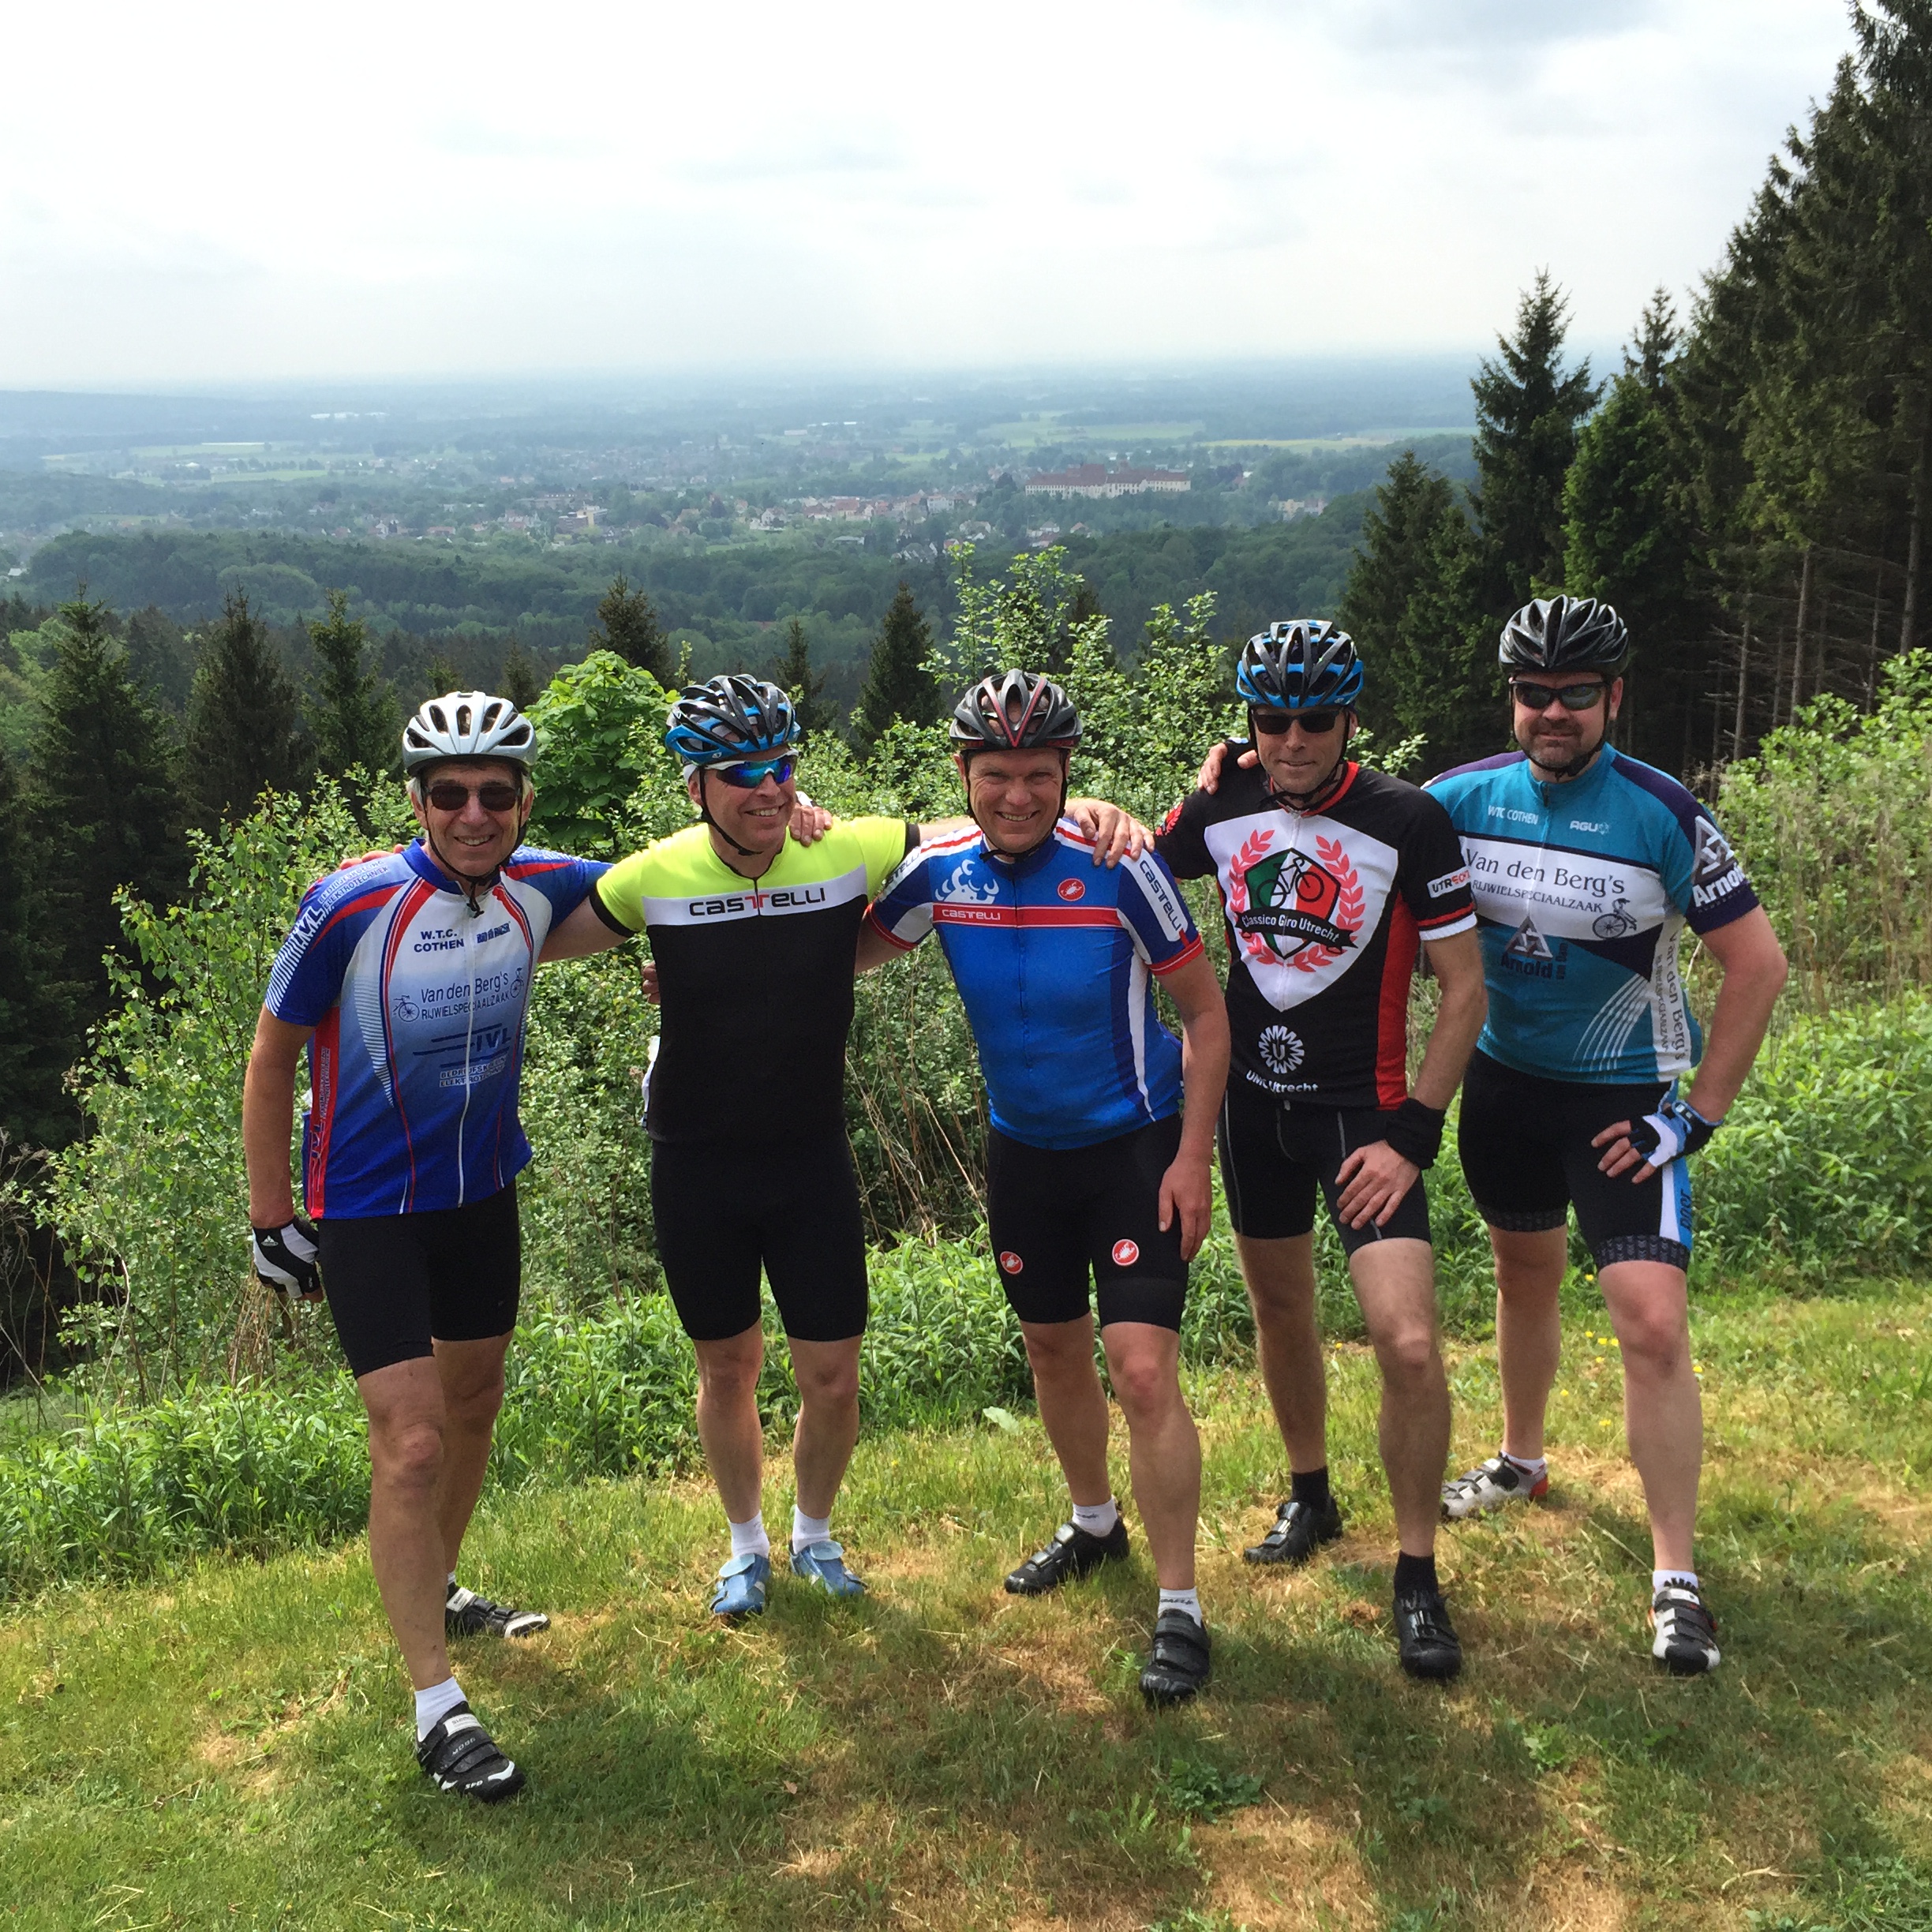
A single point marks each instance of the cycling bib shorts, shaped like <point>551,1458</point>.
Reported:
<point>1274,1156</point>
<point>396,1281</point>
<point>722,1217</point>
<point>1527,1157</point>
<point>1055,1214</point>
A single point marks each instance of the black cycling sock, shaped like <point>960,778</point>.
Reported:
<point>1415,1573</point>
<point>1309,1486</point>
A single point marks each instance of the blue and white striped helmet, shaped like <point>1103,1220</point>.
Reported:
<point>1301,663</point>
<point>726,719</point>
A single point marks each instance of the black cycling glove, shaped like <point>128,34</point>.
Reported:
<point>1676,1127</point>
<point>284,1258</point>
<point>1415,1131</point>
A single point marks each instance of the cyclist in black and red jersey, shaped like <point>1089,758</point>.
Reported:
<point>1329,875</point>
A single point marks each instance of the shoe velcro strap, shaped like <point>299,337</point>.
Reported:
<point>1180,1643</point>
<point>459,1599</point>
<point>525,1620</point>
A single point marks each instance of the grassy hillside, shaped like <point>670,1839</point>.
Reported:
<point>233,1749</point>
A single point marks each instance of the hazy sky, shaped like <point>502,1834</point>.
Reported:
<point>226,192</point>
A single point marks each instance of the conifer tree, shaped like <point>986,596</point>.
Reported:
<point>355,710</point>
<point>794,675</point>
<point>36,1022</point>
<point>627,624</point>
<point>444,676</point>
<point>896,683</point>
<point>517,680</point>
<point>1527,410</point>
<point>104,807</point>
<point>160,658</point>
<point>242,735</point>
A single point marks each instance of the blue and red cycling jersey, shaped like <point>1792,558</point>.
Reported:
<point>418,1005</point>
<point>1052,955</point>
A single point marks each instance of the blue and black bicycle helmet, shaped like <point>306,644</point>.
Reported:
<point>1564,634</point>
<point>726,719</point>
<point>1301,663</point>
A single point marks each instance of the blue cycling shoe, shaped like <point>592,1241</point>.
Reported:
<point>740,1591</point>
<point>824,1563</point>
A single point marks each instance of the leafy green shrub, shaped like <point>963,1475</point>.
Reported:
<point>1826,1158</point>
<point>1833,821</point>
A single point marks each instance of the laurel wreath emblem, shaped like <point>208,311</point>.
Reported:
<point>1348,914</point>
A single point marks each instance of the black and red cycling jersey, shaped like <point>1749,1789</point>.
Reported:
<point>1324,912</point>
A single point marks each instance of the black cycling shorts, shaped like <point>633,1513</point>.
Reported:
<point>1275,1154</point>
<point>725,1210</point>
<point>1054,1213</point>
<point>1527,1157</point>
<point>394,1280</point>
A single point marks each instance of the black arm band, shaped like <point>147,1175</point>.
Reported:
<point>610,918</point>
<point>1415,1131</point>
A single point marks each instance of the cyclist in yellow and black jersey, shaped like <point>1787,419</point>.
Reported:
<point>753,934</point>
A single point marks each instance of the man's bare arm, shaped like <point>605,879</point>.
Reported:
<point>1187,1187</point>
<point>1458,964</point>
<point>268,1117</point>
<point>585,932</point>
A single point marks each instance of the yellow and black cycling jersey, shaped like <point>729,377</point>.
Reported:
<point>754,976</point>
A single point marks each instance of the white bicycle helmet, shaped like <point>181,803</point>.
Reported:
<point>466,725</point>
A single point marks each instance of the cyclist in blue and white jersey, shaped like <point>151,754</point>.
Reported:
<point>1103,1126</point>
<point>1586,865</point>
<point>406,978</point>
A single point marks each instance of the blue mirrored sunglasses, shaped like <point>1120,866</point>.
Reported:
<point>747,776</point>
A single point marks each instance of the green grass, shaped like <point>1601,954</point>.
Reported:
<point>232,1748</point>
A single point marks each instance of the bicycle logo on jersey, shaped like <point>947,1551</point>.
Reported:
<point>1290,909</point>
<point>1615,923</point>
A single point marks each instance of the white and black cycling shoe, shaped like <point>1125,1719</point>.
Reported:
<point>466,1614</point>
<point>459,1755</point>
<point>1684,1633</point>
<point>1490,1485</point>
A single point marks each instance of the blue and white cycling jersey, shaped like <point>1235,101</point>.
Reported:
<point>1051,954</point>
<point>418,1006</point>
<point>1581,889</point>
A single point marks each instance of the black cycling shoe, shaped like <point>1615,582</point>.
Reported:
<point>459,1755</point>
<point>1429,1645</point>
<point>1300,1530</point>
<point>466,1614</point>
<point>1072,1553</point>
<point>1177,1666</point>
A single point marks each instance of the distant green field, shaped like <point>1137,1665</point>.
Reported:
<point>1366,439</point>
<point>1052,428</point>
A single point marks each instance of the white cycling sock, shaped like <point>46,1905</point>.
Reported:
<point>1096,1519</point>
<point>435,1704</point>
<point>1532,1466</point>
<point>749,1539</point>
<point>452,1579</point>
<point>1186,1600</point>
<point>807,1530</point>
<point>1667,1579</point>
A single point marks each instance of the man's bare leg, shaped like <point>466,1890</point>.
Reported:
<point>1663,1407</point>
<point>1396,1283</point>
<point>1280,1275</point>
<point>1164,1447</point>
<point>1529,1271</point>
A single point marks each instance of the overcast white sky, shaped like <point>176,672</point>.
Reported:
<point>216,192</point>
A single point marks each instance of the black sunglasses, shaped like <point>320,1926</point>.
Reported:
<point>1275,723</point>
<point>1540,697</point>
<point>495,795</point>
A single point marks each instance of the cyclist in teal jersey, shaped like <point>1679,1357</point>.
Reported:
<point>1586,865</point>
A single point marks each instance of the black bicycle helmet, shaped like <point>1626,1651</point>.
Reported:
<point>1015,711</point>
<point>1301,663</point>
<point>466,725</point>
<point>729,718</point>
<point>1564,634</point>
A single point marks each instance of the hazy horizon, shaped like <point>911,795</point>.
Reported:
<point>398,197</point>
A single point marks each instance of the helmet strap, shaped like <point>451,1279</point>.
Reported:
<point>704,812</point>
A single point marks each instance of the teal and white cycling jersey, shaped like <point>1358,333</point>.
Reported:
<point>1581,889</point>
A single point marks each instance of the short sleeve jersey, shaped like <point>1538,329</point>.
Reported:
<point>754,976</point>
<point>1582,889</point>
<point>1053,957</point>
<point>418,1008</point>
<point>1324,911</point>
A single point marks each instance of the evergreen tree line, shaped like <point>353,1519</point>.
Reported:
<point>1749,489</point>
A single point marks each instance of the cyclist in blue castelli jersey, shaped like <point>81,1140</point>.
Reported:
<point>406,977</point>
<point>1586,865</point>
<point>1102,1126</point>
<point>1334,878</point>
<point>753,915</point>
